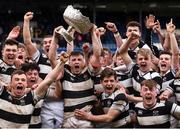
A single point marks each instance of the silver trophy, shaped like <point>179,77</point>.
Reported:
<point>76,20</point>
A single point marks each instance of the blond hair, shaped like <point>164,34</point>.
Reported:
<point>144,52</point>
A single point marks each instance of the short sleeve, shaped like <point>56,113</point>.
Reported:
<point>1,89</point>
<point>120,103</point>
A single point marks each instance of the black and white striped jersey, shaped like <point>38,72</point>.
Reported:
<point>16,113</point>
<point>125,79</point>
<point>78,90</point>
<point>138,76</point>
<point>167,79</point>
<point>42,60</point>
<point>133,52</point>
<point>174,88</point>
<point>117,101</point>
<point>36,118</point>
<point>6,71</point>
<point>156,117</point>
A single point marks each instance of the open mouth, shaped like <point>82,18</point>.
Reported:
<point>76,67</point>
<point>143,65</point>
<point>20,57</point>
<point>109,88</point>
<point>47,49</point>
<point>10,57</point>
<point>33,81</point>
<point>163,65</point>
<point>19,87</point>
<point>148,97</point>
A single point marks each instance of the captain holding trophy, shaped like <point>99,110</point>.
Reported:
<point>77,75</point>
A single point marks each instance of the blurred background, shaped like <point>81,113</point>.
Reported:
<point>48,14</point>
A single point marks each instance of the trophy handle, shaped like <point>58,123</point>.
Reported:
<point>70,29</point>
<point>66,35</point>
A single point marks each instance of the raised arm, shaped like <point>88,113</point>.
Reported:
<point>97,49</point>
<point>150,25</point>
<point>173,43</point>
<point>100,32</point>
<point>166,44</point>
<point>112,27</point>
<point>157,29</point>
<point>40,91</point>
<point>70,45</point>
<point>86,49</point>
<point>14,33</point>
<point>26,34</point>
<point>123,50</point>
<point>52,54</point>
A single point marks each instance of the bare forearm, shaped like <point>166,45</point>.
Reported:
<point>97,46</point>
<point>95,60</point>
<point>100,118</point>
<point>124,47</point>
<point>174,45</point>
<point>166,44</point>
<point>174,50</point>
<point>161,38</point>
<point>70,47</point>
<point>118,39</point>
<point>50,78</point>
<point>26,32</point>
<point>52,52</point>
<point>27,39</point>
<point>134,99</point>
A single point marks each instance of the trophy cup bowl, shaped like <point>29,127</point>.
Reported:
<point>76,20</point>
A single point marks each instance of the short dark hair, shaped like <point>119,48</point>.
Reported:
<point>165,52</point>
<point>133,23</point>
<point>10,42</point>
<point>19,72</point>
<point>30,66</point>
<point>76,53</point>
<point>107,72</point>
<point>21,45</point>
<point>149,83</point>
<point>107,49</point>
<point>90,53</point>
<point>47,36</point>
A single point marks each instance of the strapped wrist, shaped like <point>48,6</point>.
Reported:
<point>116,33</point>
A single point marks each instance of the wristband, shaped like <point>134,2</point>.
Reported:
<point>116,34</point>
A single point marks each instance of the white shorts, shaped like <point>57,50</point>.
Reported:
<point>73,122</point>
